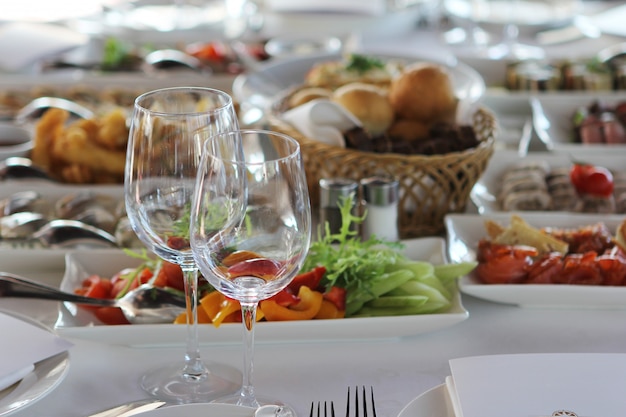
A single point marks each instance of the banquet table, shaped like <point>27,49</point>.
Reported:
<point>101,375</point>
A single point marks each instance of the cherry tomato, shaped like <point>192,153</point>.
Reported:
<point>591,179</point>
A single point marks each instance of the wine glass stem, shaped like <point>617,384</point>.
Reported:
<point>194,367</point>
<point>248,316</point>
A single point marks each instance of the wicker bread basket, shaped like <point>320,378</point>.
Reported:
<point>430,186</point>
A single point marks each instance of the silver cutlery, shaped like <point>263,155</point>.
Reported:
<point>317,411</point>
<point>33,110</point>
<point>144,305</point>
<point>362,405</point>
<point>541,124</point>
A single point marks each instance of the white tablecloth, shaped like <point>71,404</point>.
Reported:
<point>102,376</point>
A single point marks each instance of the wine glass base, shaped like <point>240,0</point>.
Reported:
<point>169,384</point>
<point>268,407</point>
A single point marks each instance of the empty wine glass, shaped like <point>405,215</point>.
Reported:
<point>265,202</point>
<point>168,128</point>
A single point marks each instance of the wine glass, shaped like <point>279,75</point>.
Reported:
<point>266,203</point>
<point>168,128</point>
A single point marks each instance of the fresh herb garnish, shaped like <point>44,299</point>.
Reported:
<point>362,63</point>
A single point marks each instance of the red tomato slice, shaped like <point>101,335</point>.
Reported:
<point>111,315</point>
<point>591,179</point>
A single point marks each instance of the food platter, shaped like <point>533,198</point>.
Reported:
<point>484,195</point>
<point>464,232</point>
<point>261,87</point>
<point>45,377</point>
<point>559,110</point>
<point>80,324</point>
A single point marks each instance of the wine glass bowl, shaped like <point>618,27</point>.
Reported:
<point>261,189</point>
<point>168,128</point>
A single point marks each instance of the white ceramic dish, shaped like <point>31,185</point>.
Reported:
<point>464,231</point>
<point>434,402</point>
<point>46,376</point>
<point>259,88</point>
<point>200,410</point>
<point>73,322</point>
<point>559,109</point>
<point>484,193</point>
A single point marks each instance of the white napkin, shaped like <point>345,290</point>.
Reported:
<point>23,345</point>
<point>7,380</point>
<point>23,44</point>
<point>537,385</point>
<point>322,120</point>
<point>369,7</point>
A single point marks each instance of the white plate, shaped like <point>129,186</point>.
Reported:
<point>73,322</point>
<point>559,109</point>
<point>464,232</point>
<point>46,376</point>
<point>260,87</point>
<point>486,189</point>
<point>200,410</point>
<point>434,402</point>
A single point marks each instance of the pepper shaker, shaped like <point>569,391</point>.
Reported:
<point>332,193</point>
<point>380,199</point>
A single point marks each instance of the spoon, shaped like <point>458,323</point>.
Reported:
<point>38,106</point>
<point>171,58</point>
<point>144,305</point>
<point>62,233</point>
<point>21,168</point>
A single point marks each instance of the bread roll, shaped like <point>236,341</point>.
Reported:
<point>423,92</point>
<point>305,95</point>
<point>367,103</point>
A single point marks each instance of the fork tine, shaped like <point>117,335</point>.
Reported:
<point>373,402</point>
<point>317,411</point>
<point>361,404</point>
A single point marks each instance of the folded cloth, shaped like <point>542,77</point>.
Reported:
<point>322,120</point>
<point>7,380</point>
<point>538,384</point>
<point>23,345</point>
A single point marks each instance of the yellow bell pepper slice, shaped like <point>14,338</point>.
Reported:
<point>306,309</point>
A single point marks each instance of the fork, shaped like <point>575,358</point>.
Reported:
<point>317,411</point>
<point>361,406</point>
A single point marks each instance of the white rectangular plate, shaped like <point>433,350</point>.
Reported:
<point>464,232</point>
<point>484,192</point>
<point>560,109</point>
<point>72,324</point>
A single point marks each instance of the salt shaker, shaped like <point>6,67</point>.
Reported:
<point>380,199</point>
<point>332,193</point>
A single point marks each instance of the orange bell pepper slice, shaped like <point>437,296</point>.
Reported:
<point>306,309</point>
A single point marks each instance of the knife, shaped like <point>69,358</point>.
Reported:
<point>130,409</point>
